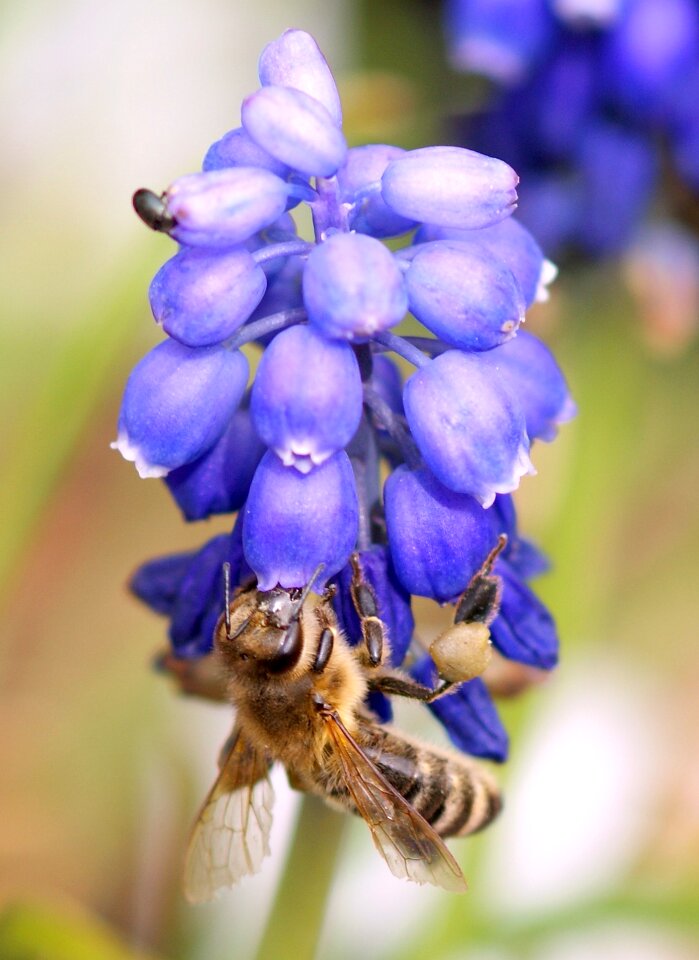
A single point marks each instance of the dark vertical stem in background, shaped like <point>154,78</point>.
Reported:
<point>296,921</point>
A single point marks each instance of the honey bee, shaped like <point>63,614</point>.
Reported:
<point>299,688</point>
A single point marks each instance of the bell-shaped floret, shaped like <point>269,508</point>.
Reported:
<point>221,208</point>
<point>509,242</point>
<point>524,630</point>
<point>295,129</point>
<point>450,186</point>
<point>307,397</point>
<point>294,521</point>
<point>177,403</point>
<point>237,149</point>
<point>359,179</point>
<point>502,39</point>
<point>219,481</point>
<point>200,595</point>
<point>392,601</point>
<point>188,588</point>
<point>157,582</point>
<point>438,538</point>
<point>465,296</point>
<point>468,715</point>
<point>353,287</point>
<point>529,369</point>
<point>294,60</point>
<point>202,296</point>
<point>468,425</point>
<point>523,556</point>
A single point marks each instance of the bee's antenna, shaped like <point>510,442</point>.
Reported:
<point>309,586</point>
<point>227,597</point>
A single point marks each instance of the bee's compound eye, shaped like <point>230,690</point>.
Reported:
<point>287,654</point>
<point>462,652</point>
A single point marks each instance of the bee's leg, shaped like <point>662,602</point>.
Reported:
<point>325,648</point>
<point>364,601</point>
<point>197,678</point>
<point>480,601</point>
<point>397,684</point>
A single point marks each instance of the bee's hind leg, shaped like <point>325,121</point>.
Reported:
<point>478,604</point>
<point>398,684</point>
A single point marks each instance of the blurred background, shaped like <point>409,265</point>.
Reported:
<point>103,766</point>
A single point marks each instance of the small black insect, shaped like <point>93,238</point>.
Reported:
<point>152,209</point>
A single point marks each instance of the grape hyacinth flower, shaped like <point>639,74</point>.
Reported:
<point>593,102</point>
<point>298,453</point>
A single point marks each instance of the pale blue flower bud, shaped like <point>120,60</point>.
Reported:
<point>237,149</point>
<point>614,205</point>
<point>466,296</point>
<point>224,207</point>
<point>353,287</point>
<point>450,186</point>
<point>511,243</point>
<point>202,296</point>
<point>360,185</point>
<point>294,60</point>
<point>296,129</point>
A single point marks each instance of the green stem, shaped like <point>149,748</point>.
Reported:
<point>296,920</point>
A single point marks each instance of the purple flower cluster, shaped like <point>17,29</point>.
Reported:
<point>594,101</point>
<point>298,454</point>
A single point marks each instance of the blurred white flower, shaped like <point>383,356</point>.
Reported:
<point>581,793</point>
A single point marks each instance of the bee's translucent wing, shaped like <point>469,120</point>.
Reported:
<point>230,838</point>
<point>406,841</point>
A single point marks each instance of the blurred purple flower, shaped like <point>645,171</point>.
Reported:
<point>589,102</point>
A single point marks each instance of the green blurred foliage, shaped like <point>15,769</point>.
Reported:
<point>31,931</point>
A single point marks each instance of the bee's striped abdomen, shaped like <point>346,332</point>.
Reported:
<point>453,794</point>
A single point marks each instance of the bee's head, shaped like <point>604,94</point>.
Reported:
<point>263,627</point>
